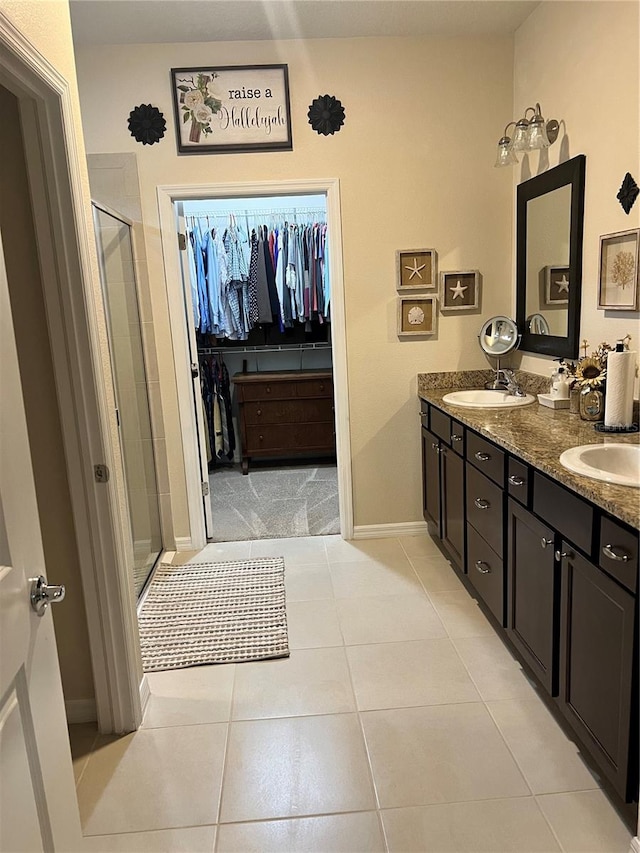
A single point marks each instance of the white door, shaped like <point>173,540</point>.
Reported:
<point>201,420</point>
<point>38,805</point>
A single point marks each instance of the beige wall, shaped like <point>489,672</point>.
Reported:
<point>580,61</point>
<point>415,162</point>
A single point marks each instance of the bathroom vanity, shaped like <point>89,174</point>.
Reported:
<point>552,557</point>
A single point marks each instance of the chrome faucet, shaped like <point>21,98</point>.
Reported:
<point>509,382</point>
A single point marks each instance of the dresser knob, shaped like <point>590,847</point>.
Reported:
<point>608,551</point>
<point>483,457</point>
<point>546,542</point>
<point>322,387</point>
<point>516,481</point>
<point>482,567</point>
<point>481,503</point>
<point>560,555</point>
<point>268,389</point>
<point>456,437</point>
<point>260,438</point>
<point>259,412</point>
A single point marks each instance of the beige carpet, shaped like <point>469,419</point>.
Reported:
<point>201,613</point>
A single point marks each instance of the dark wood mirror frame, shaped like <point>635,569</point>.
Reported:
<point>572,172</point>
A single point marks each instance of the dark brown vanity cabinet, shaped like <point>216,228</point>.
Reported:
<point>597,691</point>
<point>533,579</point>
<point>443,482</point>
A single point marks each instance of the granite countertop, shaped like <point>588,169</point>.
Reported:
<point>538,435</point>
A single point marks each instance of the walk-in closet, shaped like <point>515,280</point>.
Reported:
<point>257,302</point>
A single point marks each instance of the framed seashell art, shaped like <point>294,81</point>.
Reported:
<point>416,269</point>
<point>416,316</point>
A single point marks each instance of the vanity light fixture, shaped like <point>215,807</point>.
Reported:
<point>529,134</point>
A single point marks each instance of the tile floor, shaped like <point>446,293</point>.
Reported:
<point>399,723</point>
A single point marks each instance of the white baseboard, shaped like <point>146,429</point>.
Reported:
<point>635,845</point>
<point>145,693</point>
<point>383,531</point>
<point>81,711</point>
<point>184,543</point>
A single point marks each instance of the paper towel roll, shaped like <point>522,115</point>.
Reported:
<point>618,403</point>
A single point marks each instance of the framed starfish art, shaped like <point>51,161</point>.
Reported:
<point>556,285</point>
<point>416,269</point>
<point>460,290</point>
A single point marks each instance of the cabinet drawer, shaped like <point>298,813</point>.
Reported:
<point>314,388</point>
<point>286,438</point>
<point>457,437</point>
<point>486,457</point>
<point>568,513</point>
<point>288,411</point>
<point>268,390</point>
<point>486,573</point>
<point>518,481</point>
<point>441,425</point>
<point>618,554</point>
<point>484,508</point>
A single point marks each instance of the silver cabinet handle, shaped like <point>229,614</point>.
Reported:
<point>483,457</point>
<point>456,437</point>
<point>481,503</point>
<point>424,415</point>
<point>546,542</point>
<point>482,567</point>
<point>560,555</point>
<point>608,551</point>
<point>42,594</point>
<point>435,446</point>
<point>516,481</point>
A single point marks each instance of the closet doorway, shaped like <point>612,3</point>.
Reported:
<point>256,277</point>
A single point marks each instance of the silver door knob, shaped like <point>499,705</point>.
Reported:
<point>42,594</point>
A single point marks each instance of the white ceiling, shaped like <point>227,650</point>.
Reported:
<point>166,21</point>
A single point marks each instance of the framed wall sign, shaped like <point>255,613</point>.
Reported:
<point>416,316</point>
<point>556,285</point>
<point>416,269</point>
<point>460,291</point>
<point>229,108</point>
<point>619,262</point>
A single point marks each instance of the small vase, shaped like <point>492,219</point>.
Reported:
<point>591,404</point>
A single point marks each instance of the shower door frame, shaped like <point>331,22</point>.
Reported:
<point>168,195</point>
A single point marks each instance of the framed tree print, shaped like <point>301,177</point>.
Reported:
<point>618,284</point>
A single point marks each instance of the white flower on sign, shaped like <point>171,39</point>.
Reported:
<point>214,91</point>
<point>193,99</point>
<point>202,113</point>
<point>415,316</point>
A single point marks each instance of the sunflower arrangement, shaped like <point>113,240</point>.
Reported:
<point>591,370</point>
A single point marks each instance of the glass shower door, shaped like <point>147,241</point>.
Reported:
<point>117,272</point>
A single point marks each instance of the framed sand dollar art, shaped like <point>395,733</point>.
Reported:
<point>416,316</point>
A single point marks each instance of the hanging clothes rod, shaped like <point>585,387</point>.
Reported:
<point>264,348</point>
<point>253,213</point>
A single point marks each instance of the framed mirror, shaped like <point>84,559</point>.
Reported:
<point>550,213</point>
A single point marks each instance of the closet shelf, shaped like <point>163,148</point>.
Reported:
<point>265,348</point>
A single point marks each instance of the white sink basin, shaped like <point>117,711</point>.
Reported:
<point>486,399</point>
<point>613,463</point>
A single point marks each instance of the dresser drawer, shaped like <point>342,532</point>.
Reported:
<point>288,411</point>
<point>564,511</point>
<point>518,481</point>
<point>485,508</point>
<point>485,571</point>
<point>268,390</point>
<point>618,553</point>
<point>280,438</point>
<point>486,457</point>
<point>441,425</point>
<point>314,388</point>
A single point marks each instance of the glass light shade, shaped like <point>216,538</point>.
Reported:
<point>538,134</point>
<point>520,141</point>
<point>505,156</point>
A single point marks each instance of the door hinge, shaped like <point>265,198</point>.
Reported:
<point>182,242</point>
<point>101,473</point>
<point>205,489</point>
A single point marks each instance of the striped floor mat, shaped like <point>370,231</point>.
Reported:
<point>201,613</point>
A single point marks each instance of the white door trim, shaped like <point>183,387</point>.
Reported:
<point>167,195</point>
<point>76,321</point>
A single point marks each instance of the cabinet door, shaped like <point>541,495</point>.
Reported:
<point>452,504</point>
<point>597,664</point>
<point>533,594</point>
<point>431,478</point>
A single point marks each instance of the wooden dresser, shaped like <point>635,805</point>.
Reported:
<point>285,413</point>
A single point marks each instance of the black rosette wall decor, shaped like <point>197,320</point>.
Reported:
<point>146,124</point>
<point>628,193</point>
<point>326,115</point>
